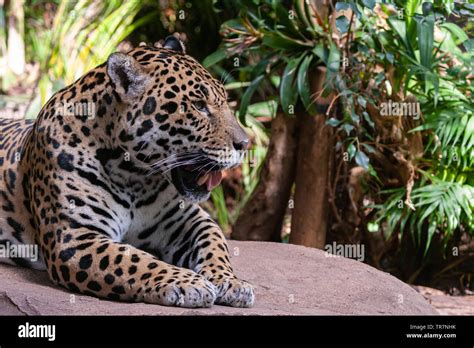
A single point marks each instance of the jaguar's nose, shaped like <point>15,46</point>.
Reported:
<point>238,137</point>
<point>241,144</point>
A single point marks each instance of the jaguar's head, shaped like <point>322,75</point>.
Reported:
<point>176,120</point>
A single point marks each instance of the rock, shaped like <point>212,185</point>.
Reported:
<point>288,280</point>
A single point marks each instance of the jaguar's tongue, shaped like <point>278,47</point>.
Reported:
<point>211,179</point>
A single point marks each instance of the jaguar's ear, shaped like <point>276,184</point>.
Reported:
<point>127,74</point>
<point>175,44</point>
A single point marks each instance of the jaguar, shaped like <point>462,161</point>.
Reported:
<point>107,182</point>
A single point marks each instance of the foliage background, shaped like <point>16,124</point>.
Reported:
<point>414,207</point>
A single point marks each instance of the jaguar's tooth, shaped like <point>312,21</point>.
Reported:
<point>203,179</point>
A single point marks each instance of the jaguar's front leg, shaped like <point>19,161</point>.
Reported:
<point>202,247</point>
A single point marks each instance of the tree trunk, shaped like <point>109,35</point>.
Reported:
<point>313,170</point>
<point>262,216</point>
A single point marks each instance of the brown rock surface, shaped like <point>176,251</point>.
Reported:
<point>288,280</point>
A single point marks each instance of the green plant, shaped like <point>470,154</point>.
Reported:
<point>273,41</point>
<point>419,166</point>
<point>81,35</point>
<point>430,60</point>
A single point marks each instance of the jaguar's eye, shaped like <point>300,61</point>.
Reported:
<point>201,106</point>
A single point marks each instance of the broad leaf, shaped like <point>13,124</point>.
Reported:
<point>342,24</point>
<point>288,90</point>
<point>333,122</point>
<point>369,3</point>
<point>362,159</point>
<point>214,58</point>
<point>247,97</point>
<point>457,32</point>
<point>304,88</point>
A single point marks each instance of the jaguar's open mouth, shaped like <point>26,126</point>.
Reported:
<point>197,180</point>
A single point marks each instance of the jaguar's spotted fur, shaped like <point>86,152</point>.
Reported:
<point>109,190</point>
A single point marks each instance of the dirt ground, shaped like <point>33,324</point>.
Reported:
<point>446,304</point>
